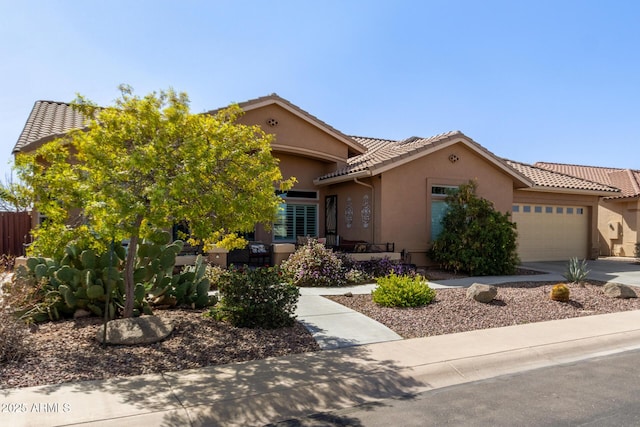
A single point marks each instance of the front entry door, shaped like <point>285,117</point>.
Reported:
<point>331,219</point>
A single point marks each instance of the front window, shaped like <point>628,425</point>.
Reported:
<point>439,208</point>
<point>295,220</point>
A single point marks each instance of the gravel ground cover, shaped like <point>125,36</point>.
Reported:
<point>67,350</point>
<point>515,304</point>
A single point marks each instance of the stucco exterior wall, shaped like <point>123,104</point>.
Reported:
<point>618,226</point>
<point>297,135</point>
<point>351,202</point>
<point>405,195</point>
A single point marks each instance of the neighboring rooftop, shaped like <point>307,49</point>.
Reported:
<point>626,180</point>
<point>48,120</point>
<point>552,179</point>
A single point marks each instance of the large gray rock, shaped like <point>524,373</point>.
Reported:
<point>617,290</point>
<point>135,330</point>
<point>482,293</point>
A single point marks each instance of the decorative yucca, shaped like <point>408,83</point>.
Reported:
<point>576,271</point>
<point>560,292</point>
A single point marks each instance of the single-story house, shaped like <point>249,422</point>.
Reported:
<point>370,191</point>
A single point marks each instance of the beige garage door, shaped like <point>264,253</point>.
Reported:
<point>551,233</point>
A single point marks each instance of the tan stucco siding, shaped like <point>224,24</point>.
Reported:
<point>405,199</point>
<point>618,226</point>
<point>351,203</point>
<point>305,170</point>
<point>294,133</point>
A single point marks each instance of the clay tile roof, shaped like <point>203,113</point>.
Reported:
<point>47,121</point>
<point>554,179</point>
<point>625,180</point>
<point>384,151</point>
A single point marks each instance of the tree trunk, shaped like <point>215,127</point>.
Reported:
<point>129,284</point>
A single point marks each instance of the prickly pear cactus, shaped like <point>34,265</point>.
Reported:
<point>560,292</point>
<point>81,279</point>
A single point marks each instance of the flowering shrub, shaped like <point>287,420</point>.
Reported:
<point>381,267</point>
<point>352,270</point>
<point>402,291</point>
<point>314,265</point>
<point>256,298</point>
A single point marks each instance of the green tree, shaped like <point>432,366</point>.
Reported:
<point>146,163</point>
<point>14,196</point>
<point>476,239</point>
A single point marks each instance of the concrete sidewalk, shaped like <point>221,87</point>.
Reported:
<point>272,390</point>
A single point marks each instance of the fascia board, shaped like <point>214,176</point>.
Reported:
<point>342,178</point>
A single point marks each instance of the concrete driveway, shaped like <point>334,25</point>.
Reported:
<point>619,270</point>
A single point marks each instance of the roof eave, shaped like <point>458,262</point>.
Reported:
<point>343,178</point>
<point>34,145</point>
<point>621,198</point>
<point>283,103</point>
<point>544,189</point>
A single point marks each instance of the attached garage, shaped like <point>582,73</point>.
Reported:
<point>552,232</point>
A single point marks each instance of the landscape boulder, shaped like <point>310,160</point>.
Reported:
<point>135,330</point>
<point>482,293</point>
<point>617,290</point>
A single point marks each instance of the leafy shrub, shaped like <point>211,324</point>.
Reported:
<point>214,274</point>
<point>381,267</point>
<point>637,251</point>
<point>476,239</point>
<point>356,276</point>
<point>352,270</point>
<point>576,271</point>
<point>313,264</point>
<point>402,291</point>
<point>14,338</point>
<point>560,292</point>
<point>256,299</point>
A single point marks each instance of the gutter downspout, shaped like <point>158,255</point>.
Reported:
<point>373,208</point>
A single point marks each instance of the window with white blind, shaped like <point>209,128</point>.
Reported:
<point>295,220</point>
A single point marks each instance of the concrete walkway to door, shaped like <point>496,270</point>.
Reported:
<point>336,326</point>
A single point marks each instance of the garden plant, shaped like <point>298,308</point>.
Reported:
<point>256,298</point>
<point>476,238</point>
<point>402,291</point>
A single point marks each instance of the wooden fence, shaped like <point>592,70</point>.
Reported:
<point>14,232</point>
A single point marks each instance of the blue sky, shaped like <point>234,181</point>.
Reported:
<point>555,81</point>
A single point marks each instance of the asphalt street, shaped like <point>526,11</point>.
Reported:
<point>603,391</point>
